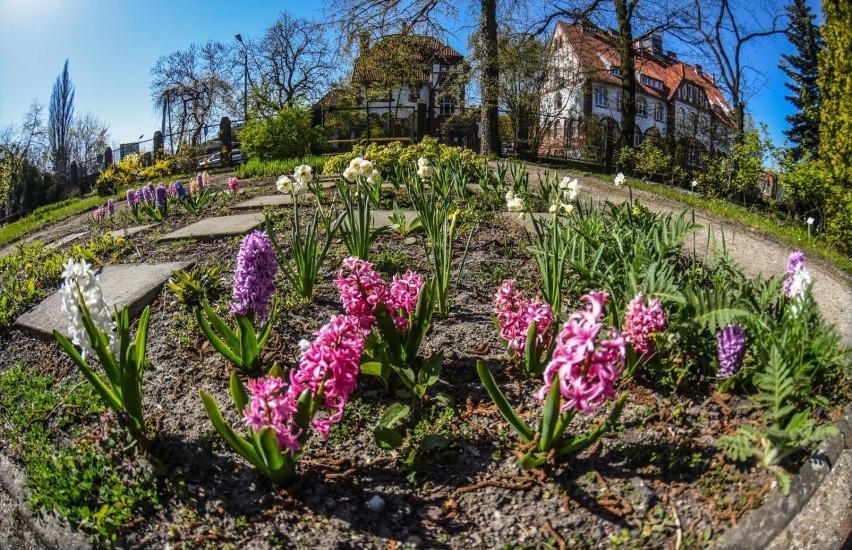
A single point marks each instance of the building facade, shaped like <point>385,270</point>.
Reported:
<point>675,101</point>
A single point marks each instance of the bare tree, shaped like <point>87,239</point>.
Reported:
<point>59,120</point>
<point>727,31</point>
<point>24,153</point>
<point>88,138</point>
<point>191,88</point>
<point>291,63</point>
<point>426,16</point>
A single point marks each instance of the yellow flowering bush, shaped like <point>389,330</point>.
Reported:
<point>385,157</point>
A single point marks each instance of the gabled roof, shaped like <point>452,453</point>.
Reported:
<point>597,54</point>
<point>408,56</point>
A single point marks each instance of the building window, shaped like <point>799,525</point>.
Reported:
<point>601,98</point>
<point>641,106</point>
<point>693,156</point>
<point>557,130</point>
<point>658,111</point>
<point>557,102</point>
<point>616,72</point>
<point>638,137</point>
<point>650,82</point>
<point>619,98</point>
<point>447,106</point>
<point>412,94</point>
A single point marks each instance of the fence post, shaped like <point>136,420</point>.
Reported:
<point>421,120</point>
<point>73,177</point>
<point>147,159</point>
<point>158,145</point>
<point>107,157</point>
<point>225,139</point>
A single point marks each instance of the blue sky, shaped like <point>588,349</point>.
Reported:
<point>112,45</point>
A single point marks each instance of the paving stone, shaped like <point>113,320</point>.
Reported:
<point>382,217</point>
<point>265,200</point>
<point>132,285</point>
<point>210,229</point>
<point>66,239</point>
<point>128,231</point>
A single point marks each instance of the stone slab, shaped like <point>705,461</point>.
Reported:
<point>132,285</point>
<point>265,200</point>
<point>66,239</point>
<point>210,229</point>
<point>382,217</point>
<point>128,231</point>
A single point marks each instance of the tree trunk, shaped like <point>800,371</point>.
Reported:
<point>490,77</point>
<point>628,73</point>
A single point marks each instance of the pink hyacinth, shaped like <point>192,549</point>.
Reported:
<point>361,291</point>
<point>584,366</point>
<point>233,184</point>
<point>333,360</point>
<point>99,213</point>
<point>515,314</point>
<point>401,299</point>
<point>272,406</point>
<point>642,323</point>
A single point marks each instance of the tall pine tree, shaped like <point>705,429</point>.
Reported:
<point>801,68</point>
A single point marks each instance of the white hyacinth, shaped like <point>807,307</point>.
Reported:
<point>619,180</point>
<point>303,174</point>
<point>81,275</point>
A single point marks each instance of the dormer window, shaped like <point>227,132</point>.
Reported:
<point>650,82</point>
<point>616,72</point>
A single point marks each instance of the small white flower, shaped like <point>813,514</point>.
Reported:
<point>553,208</point>
<point>355,164</point>
<point>509,195</point>
<point>374,178</point>
<point>516,204</point>
<point>619,180</point>
<point>694,184</point>
<point>284,185</point>
<point>425,172</point>
<point>422,161</point>
<point>573,189</point>
<point>810,221</point>
<point>303,174</point>
<point>522,216</point>
<point>351,174</point>
<point>304,345</point>
<point>568,208</point>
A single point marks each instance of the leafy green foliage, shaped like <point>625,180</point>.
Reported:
<point>286,135</point>
<point>386,158</point>
<point>256,167</point>
<point>240,346</point>
<point>196,284</point>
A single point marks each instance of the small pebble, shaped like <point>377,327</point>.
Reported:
<point>376,504</point>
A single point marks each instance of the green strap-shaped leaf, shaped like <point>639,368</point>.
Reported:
<point>266,329</point>
<point>271,452</point>
<point>238,393</point>
<point>581,442</point>
<point>389,331</point>
<point>227,335</point>
<point>142,339</point>
<point>532,355</point>
<point>237,443</point>
<point>103,390</point>
<point>431,370</point>
<point>394,414</point>
<point>303,416</point>
<point>549,417</point>
<point>220,346</point>
<point>502,403</point>
<point>421,319</point>
<point>248,343</point>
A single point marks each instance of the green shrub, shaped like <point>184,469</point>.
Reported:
<point>286,135</point>
<point>262,168</point>
<point>386,157</point>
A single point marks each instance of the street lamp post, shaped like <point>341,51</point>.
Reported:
<point>239,38</point>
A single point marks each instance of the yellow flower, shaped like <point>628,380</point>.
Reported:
<point>28,266</point>
<point>119,240</point>
<point>453,215</point>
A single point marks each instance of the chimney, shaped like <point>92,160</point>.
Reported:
<point>364,44</point>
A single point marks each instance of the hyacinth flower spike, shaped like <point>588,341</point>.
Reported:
<point>254,290</point>
<point>580,377</point>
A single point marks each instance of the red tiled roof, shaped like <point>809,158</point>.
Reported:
<point>597,54</point>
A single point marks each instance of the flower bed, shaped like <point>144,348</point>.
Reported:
<point>607,406</point>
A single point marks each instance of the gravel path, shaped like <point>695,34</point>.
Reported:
<point>756,252</point>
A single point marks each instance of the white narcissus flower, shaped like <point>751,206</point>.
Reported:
<point>568,209</point>
<point>80,275</point>
<point>573,189</point>
<point>355,164</point>
<point>425,172</point>
<point>374,178</point>
<point>351,174</point>
<point>516,204</point>
<point>553,208</point>
<point>619,180</point>
<point>509,195</point>
<point>303,174</point>
<point>422,161</point>
<point>366,168</point>
<point>284,184</point>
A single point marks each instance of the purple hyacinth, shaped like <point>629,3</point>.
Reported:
<point>111,207</point>
<point>160,194</point>
<point>199,179</point>
<point>254,278</point>
<point>145,194</point>
<point>180,191</point>
<point>731,348</point>
<point>132,199</point>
